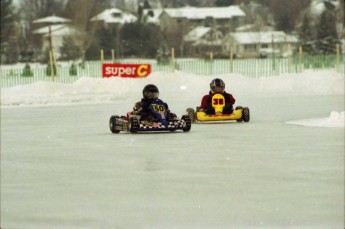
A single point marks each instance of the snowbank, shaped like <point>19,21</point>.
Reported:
<point>336,119</point>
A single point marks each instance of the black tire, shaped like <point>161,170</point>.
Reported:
<point>191,114</point>
<point>239,108</point>
<point>246,114</point>
<point>133,125</point>
<point>112,124</point>
<point>188,123</point>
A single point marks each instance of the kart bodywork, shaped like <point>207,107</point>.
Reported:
<point>162,122</point>
<point>240,113</point>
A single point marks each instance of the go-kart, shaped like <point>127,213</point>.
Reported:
<point>161,121</point>
<point>240,113</point>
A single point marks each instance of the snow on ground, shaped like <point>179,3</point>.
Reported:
<point>336,119</point>
<point>61,167</point>
<point>175,85</point>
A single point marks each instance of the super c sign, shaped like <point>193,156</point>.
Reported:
<point>126,70</point>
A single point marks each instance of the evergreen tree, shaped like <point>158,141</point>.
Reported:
<point>69,51</point>
<point>327,36</point>
<point>105,39</point>
<point>9,46</point>
<point>140,40</point>
<point>307,36</point>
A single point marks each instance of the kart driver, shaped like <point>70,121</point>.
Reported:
<point>150,93</point>
<point>217,86</point>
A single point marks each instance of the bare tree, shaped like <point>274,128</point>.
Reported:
<point>33,9</point>
<point>81,11</point>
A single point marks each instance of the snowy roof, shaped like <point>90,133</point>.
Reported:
<point>262,37</point>
<point>114,15</point>
<point>52,19</point>
<point>196,33</point>
<point>202,13</point>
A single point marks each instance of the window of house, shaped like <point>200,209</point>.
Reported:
<point>222,21</point>
<point>116,14</point>
<point>250,48</point>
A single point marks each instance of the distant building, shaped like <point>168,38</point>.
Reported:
<point>200,41</point>
<point>50,33</point>
<point>225,19</point>
<point>113,18</point>
<point>56,33</point>
<point>259,44</point>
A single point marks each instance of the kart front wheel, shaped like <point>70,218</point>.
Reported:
<point>246,114</point>
<point>188,123</point>
<point>133,125</point>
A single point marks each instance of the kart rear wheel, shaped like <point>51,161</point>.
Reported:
<point>133,125</point>
<point>188,123</point>
<point>191,114</point>
<point>246,114</point>
<point>112,124</point>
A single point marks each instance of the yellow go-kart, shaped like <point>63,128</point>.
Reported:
<point>240,114</point>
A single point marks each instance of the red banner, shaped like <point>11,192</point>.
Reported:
<point>126,70</point>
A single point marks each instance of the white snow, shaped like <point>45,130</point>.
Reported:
<point>336,119</point>
<point>263,37</point>
<point>114,15</point>
<point>61,167</point>
<point>96,90</point>
<point>204,12</point>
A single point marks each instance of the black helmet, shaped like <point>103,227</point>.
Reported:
<point>150,91</point>
<point>217,83</point>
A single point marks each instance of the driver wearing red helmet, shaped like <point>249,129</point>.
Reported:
<point>217,86</point>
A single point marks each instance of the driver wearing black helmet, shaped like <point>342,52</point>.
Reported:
<point>150,93</point>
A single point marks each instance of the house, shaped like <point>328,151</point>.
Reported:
<point>200,41</point>
<point>259,44</point>
<point>49,33</point>
<point>52,36</point>
<point>225,19</point>
<point>113,17</point>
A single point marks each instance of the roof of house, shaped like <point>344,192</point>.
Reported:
<point>204,12</point>
<point>114,15</point>
<point>196,37</point>
<point>196,33</point>
<point>52,19</point>
<point>262,37</point>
